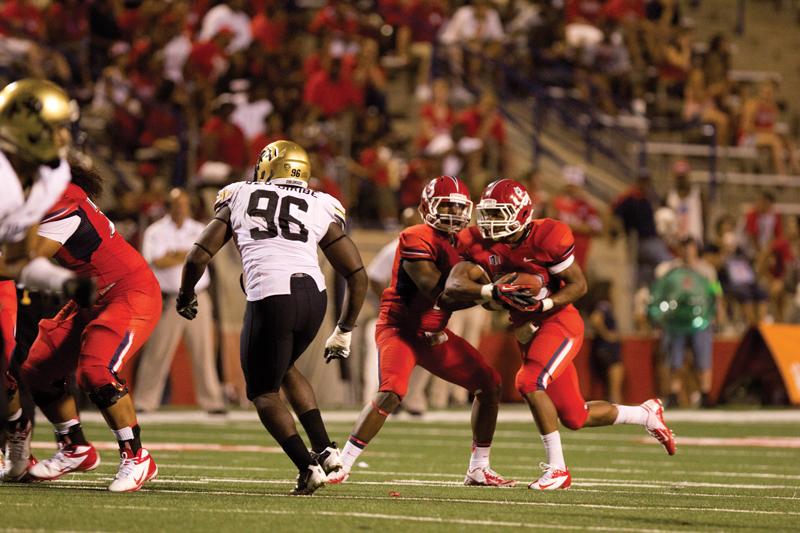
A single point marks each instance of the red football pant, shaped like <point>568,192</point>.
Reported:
<point>96,342</point>
<point>454,360</point>
<point>8,317</point>
<point>547,365</point>
<point>8,324</point>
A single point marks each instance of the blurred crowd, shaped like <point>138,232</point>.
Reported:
<point>179,93</point>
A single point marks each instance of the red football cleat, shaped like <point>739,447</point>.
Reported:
<point>656,426</point>
<point>68,459</point>
<point>484,476</point>
<point>552,479</point>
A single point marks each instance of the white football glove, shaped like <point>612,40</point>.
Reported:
<point>338,345</point>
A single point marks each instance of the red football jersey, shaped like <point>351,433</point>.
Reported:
<point>402,305</point>
<point>547,250</point>
<point>91,247</point>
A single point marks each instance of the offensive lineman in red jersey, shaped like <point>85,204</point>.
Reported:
<point>94,341</point>
<point>411,331</point>
<point>548,328</point>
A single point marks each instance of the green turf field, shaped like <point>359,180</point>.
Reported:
<point>412,481</point>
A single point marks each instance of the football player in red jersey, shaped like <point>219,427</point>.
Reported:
<point>93,341</point>
<point>548,328</point>
<point>412,331</point>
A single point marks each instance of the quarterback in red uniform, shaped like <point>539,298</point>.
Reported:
<point>549,330</point>
<point>93,341</point>
<point>412,330</point>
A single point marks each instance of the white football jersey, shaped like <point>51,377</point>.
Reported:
<point>18,213</point>
<point>276,227</point>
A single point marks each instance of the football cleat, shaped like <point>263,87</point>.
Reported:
<point>339,476</point>
<point>18,454</point>
<point>330,459</point>
<point>134,471</point>
<point>483,476</point>
<point>656,426</point>
<point>552,479</point>
<point>68,459</point>
<point>309,480</point>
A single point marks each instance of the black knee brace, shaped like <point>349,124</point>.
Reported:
<point>44,397</point>
<point>107,395</point>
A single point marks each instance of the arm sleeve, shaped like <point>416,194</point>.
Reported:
<point>561,247</point>
<point>414,248</point>
<point>60,230</point>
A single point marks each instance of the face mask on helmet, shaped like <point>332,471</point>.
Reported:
<point>499,220</point>
<point>448,213</point>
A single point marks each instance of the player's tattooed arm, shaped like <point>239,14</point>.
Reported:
<point>574,286</point>
<point>214,237</point>
<point>343,256</point>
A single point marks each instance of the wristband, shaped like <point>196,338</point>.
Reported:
<point>486,292</point>
<point>344,329</point>
<point>547,304</point>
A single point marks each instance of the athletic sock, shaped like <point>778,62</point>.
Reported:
<point>351,451</point>
<point>315,429</point>
<point>16,421</point>
<point>552,448</point>
<point>128,438</point>
<point>631,414</point>
<point>296,449</point>
<point>70,432</point>
<point>480,455</point>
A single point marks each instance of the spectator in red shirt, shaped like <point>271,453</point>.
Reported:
<point>269,27</point>
<point>330,92</point>
<point>337,17</point>
<point>21,18</point>
<point>416,33</point>
<point>221,139</point>
<point>762,223</point>
<point>572,208</point>
<point>437,117</point>
<point>485,122</point>
<point>208,59</point>
<point>584,11</point>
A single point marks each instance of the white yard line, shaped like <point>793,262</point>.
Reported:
<point>65,484</point>
<point>507,414</point>
<point>384,516</point>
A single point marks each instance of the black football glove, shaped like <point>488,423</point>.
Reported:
<point>82,290</point>
<point>186,304</point>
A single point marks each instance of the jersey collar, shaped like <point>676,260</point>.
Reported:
<point>289,181</point>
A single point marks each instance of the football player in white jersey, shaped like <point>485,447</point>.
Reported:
<point>35,116</point>
<point>277,223</point>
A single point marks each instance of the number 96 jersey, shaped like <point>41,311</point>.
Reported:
<point>276,227</point>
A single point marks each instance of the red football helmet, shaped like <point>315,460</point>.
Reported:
<point>445,204</point>
<point>504,209</point>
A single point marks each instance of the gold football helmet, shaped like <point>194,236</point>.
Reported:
<point>282,160</point>
<point>32,112</point>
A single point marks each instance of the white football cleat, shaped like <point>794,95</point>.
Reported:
<point>330,459</point>
<point>339,476</point>
<point>68,459</point>
<point>483,476</point>
<point>134,471</point>
<point>552,479</point>
<point>309,480</point>
<point>656,426</point>
<point>18,455</point>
